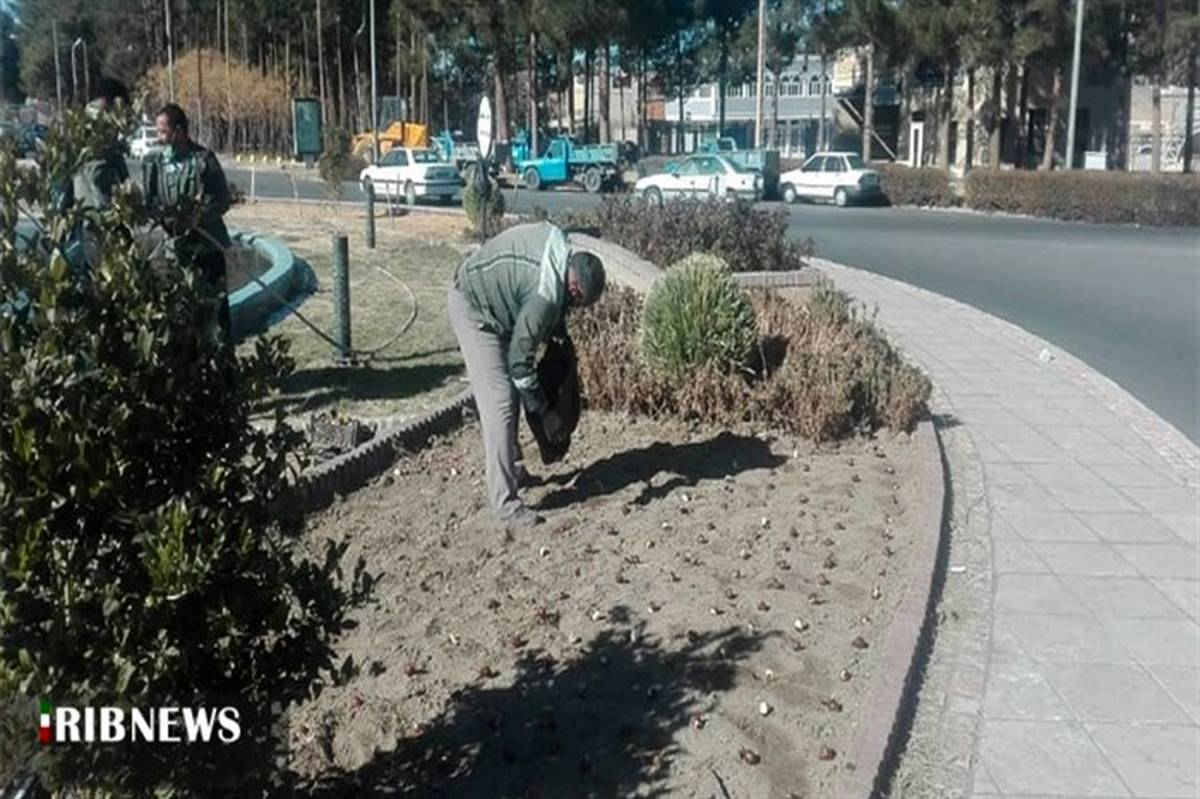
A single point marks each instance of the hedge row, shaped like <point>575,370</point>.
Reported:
<point>1107,197</point>
<point>922,186</point>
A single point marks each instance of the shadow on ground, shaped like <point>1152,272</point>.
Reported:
<point>601,724</point>
<point>318,388</point>
<point>724,455</point>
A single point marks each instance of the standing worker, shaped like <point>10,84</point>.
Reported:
<point>186,186</point>
<point>506,301</point>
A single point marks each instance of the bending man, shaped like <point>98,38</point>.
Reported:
<point>506,300</point>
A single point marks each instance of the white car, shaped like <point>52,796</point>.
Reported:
<point>841,177</point>
<point>144,142</point>
<point>700,176</point>
<point>410,173</point>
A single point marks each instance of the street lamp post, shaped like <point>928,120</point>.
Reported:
<point>57,68</point>
<point>170,54</point>
<point>1074,85</point>
<point>758,101</point>
<point>374,91</point>
<point>75,70</point>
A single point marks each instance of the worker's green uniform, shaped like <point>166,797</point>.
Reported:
<point>186,186</point>
<point>518,283</point>
<point>507,299</point>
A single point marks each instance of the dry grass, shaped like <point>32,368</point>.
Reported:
<point>824,371</point>
<point>424,367</point>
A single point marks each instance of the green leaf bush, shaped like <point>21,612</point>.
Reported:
<point>148,555</point>
<point>697,315</point>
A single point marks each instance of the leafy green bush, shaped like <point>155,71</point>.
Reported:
<point>146,558</point>
<point>475,206</point>
<point>1106,197</point>
<point>697,315</point>
<point>745,238</point>
<point>921,186</point>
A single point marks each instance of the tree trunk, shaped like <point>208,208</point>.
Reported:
<point>321,67</point>
<point>1189,123</point>
<point>571,91</point>
<point>868,103</point>
<point>994,133</point>
<point>822,131</point>
<point>969,160</point>
<point>424,80</point>
<point>621,98</point>
<point>1052,119</point>
<point>722,69</point>
<point>945,111</point>
<point>399,54</point>
<point>500,112</point>
<point>773,141</point>
<point>199,84</point>
<point>587,95</point>
<point>341,70</point>
<point>412,77</point>
<point>1156,127</point>
<point>533,94</point>
<point>606,96</point>
<point>1023,119</point>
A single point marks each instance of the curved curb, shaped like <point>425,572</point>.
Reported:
<point>890,699</point>
<point>318,487</point>
<point>251,306</point>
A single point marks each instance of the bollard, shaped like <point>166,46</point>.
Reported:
<point>341,296</point>
<point>370,191</point>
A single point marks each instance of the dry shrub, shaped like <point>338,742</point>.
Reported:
<point>922,186</point>
<point>824,370</point>
<point>250,110</point>
<point>1105,197</point>
<point>747,239</point>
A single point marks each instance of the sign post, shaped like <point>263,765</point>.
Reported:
<point>483,183</point>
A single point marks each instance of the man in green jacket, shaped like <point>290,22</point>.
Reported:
<point>185,186</point>
<point>506,300</point>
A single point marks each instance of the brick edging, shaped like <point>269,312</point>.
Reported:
<point>896,679</point>
<point>778,280</point>
<point>317,487</point>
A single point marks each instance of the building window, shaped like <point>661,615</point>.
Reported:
<point>827,85</point>
<point>814,87</point>
<point>751,90</point>
<point>734,91</point>
<point>792,87</point>
<point>704,91</point>
<point>768,89</point>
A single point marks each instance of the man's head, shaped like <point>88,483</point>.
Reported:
<point>585,279</point>
<point>109,94</point>
<point>172,125</point>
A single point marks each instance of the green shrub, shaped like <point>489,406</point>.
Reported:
<point>475,207</point>
<point>1105,197</point>
<point>825,370</point>
<point>697,315</point>
<point>921,186</point>
<point>745,238</point>
<point>145,559</point>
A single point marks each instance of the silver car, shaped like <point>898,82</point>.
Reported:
<point>700,177</point>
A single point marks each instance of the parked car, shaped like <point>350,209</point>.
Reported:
<point>700,176</point>
<point>411,173</point>
<point>144,142</point>
<point>841,177</point>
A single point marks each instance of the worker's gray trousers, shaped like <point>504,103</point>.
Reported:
<point>496,399</point>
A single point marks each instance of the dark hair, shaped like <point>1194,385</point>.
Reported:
<point>110,90</point>
<point>176,118</point>
<point>589,271</point>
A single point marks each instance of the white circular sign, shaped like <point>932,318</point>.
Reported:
<point>483,128</point>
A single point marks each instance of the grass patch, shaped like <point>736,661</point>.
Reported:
<point>423,368</point>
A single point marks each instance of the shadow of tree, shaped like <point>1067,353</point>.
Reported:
<point>601,724</point>
<point>723,455</point>
<point>324,386</point>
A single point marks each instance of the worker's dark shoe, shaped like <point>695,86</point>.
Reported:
<point>525,479</point>
<point>522,518</point>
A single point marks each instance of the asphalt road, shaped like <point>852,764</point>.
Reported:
<point>1125,300</point>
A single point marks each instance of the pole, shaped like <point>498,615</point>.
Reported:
<point>170,54</point>
<point>87,79</point>
<point>758,100</point>
<point>57,69</point>
<point>1070,160</point>
<point>374,103</point>
<point>341,296</point>
<point>74,73</point>
<point>370,229</point>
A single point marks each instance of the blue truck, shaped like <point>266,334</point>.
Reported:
<point>598,167</point>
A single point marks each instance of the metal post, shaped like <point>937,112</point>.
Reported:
<point>758,100</point>
<point>87,79</point>
<point>1074,85</point>
<point>341,296</point>
<point>374,106</point>
<point>370,231</point>
<point>58,86</point>
<point>75,71</point>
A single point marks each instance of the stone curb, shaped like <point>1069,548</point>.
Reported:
<point>318,487</point>
<point>892,696</point>
<point>778,280</point>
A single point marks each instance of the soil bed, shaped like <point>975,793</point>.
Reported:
<point>699,616</point>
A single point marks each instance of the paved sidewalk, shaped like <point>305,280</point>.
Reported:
<point>1090,684</point>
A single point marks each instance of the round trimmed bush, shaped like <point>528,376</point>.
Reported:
<point>697,315</point>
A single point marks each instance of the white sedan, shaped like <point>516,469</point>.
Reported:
<point>698,177</point>
<point>144,142</point>
<point>410,173</point>
<point>841,177</point>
